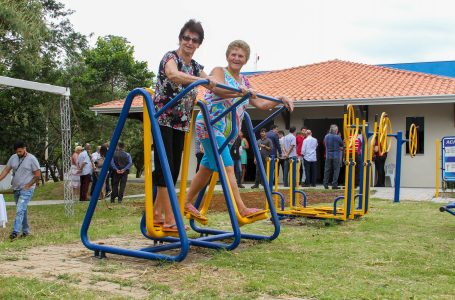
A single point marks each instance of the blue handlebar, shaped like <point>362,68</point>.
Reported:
<point>206,81</point>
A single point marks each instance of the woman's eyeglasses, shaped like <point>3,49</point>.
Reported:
<point>188,38</point>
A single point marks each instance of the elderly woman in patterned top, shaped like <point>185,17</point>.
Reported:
<point>176,71</point>
<point>237,55</point>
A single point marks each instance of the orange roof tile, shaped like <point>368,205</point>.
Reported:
<point>138,101</point>
<point>337,79</point>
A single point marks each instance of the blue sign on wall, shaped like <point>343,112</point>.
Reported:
<point>448,158</point>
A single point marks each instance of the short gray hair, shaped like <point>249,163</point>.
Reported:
<point>239,44</point>
<point>333,129</point>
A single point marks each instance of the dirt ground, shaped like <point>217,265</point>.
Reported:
<point>75,265</point>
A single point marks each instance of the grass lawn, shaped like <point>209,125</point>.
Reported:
<point>397,251</point>
<point>54,191</point>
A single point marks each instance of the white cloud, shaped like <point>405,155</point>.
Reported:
<point>283,33</point>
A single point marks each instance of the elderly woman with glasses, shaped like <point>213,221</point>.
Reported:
<point>218,100</point>
<point>177,70</point>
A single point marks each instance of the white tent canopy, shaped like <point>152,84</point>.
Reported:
<point>65,124</point>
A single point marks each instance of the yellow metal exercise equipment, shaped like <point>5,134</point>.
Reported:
<point>350,129</point>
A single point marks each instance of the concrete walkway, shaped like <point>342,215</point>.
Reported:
<point>387,193</point>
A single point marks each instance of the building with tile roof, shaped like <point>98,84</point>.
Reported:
<point>322,90</point>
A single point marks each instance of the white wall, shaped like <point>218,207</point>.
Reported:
<point>438,122</point>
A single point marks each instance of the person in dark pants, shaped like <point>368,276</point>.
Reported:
<point>379,162</point>
<point>309,147</point>
<point>265,145</point>
<point>272,134</point>
<point>108,176</point>
<point>85,164</point>
<point>333,149</point>
<point>121,164</point>
<point>95,156</point>
<point>199,150</point>
<point>281,160</point>
<point>235,154</point>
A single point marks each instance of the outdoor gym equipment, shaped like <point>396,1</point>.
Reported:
<point>350,129</point>
<point>384,144</point>
<point>381,134</point>
<point>210,238</point>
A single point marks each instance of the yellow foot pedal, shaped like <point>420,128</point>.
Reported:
<point>200,219</point>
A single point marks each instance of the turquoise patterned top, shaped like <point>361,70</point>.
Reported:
<point>217,105</point>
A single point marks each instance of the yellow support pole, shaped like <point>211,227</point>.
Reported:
<point>243,220</point>
<point>185,163</point>
<point>438,158</point>
<point>149,213</point>
<point>370,153</point>
<point>276,183</point>
<point>346,169</point>
<point>354,138</point>
<point>208,196</point>
<point>148,170</point>
<point>291,189</point>
<point>268,179</point>
<point>297,174</point>
<point>364,179</point>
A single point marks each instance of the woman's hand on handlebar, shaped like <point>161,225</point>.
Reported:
<point>246,90</point>
<point>212,82</point>
<point>289,104</point>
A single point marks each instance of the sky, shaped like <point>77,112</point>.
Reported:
<point>284,34</point>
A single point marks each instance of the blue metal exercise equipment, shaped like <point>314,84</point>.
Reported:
<point>209,238</point>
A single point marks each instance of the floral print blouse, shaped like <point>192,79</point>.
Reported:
<point>179,116</point>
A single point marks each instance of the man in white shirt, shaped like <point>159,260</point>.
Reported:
<point>84,163</point>
<point>289,152</point>
<point>309,146</point>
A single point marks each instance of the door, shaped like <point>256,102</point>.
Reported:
<point>319,128</point>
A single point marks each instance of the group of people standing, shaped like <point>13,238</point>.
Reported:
<point>299,146</point>
<point>86,168</point>
<point>302,146</point>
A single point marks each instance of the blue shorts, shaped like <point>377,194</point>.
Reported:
<point>208,160</point>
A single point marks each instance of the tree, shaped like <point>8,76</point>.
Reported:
<point>22,32</point>
<point>38,43</point>
<point>112,70</point>
<point>109,73</point>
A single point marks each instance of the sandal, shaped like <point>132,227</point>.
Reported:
<point>157,222</point>
<point>172,228</point>
<point>194,213</point>
<point>249,212</point>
